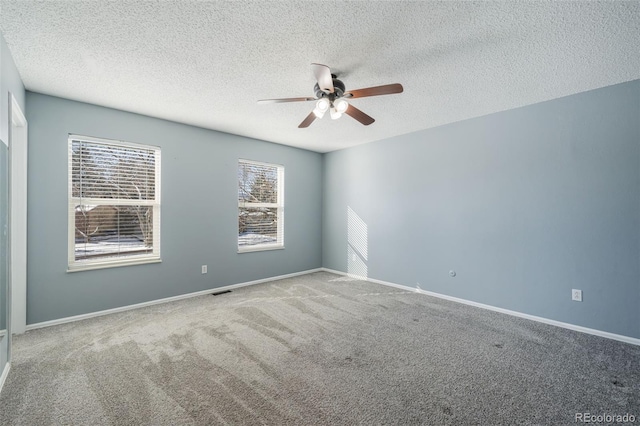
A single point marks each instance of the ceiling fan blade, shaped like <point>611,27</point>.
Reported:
<point>275,101</point>
<point>386,89</point>
<point>359,115</point>
<point>322,73</point>
<point>307,121</point>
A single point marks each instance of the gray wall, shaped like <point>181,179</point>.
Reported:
<point>199,211</point>
<point>524,205</point>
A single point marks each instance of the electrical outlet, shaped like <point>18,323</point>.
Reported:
<point>204,269</point>
<point>576,295</point>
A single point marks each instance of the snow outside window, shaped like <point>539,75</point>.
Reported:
<point>114,203</point>
<point>260,206</point>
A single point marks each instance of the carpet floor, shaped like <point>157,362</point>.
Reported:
<point>312,350</point>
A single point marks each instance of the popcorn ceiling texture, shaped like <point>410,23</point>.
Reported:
<point>206,63</point>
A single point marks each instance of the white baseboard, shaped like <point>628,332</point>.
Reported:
<point>165,300</point>
<point>5,374</point>
<point>606,334</point>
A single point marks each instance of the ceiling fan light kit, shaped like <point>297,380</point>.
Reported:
<point>341,105</point>
<point>335,114</point>
<point>330,96</point>
<point>321,107</point>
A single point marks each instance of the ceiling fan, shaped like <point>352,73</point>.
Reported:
<point>331,96</point>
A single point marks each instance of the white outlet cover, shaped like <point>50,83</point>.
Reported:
<point>204,269</point>
<point>576,295</point>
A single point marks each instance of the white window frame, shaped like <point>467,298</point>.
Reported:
<point>88,264</point>
<point>279,205</point>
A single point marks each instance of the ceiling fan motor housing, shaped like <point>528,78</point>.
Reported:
<point>338,89</point>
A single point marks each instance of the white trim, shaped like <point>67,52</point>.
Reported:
<point>250,205</point>
<point>112,142</point>
<point>5,374</point>
<point>600,333</point>
<point>165,300</point>
<point>74,201</point>
<point>260,247</point>
<point>74,265</point>
<point>260,163</point>
<point>280,211</point>
<point>129,261</point>
<point>278,205</point>
<point>18,210</point>
<point>71,218</point>
<point>605,334</point>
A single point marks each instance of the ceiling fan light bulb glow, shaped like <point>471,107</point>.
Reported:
<point>318,113</point>
<point>335,114</point>
<point>322,105</point>
<point>341,105</point>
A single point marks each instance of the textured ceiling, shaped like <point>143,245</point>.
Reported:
<point>207,63</point>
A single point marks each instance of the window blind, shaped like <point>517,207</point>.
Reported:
<point>114,202</point>
<point>260,206</point>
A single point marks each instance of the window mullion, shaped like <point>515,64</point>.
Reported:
<point>111,202</point>
<point>259,205</point>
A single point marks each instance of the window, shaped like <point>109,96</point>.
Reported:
<point>260,206</point>
<point>114,203</point>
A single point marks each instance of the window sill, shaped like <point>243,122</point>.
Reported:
<point>78,267</point>
<point>259,248</point>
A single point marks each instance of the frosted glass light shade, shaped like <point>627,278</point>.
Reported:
<point>341,105</point>
<point>321,107</point>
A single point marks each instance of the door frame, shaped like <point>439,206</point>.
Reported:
<point>18,131</point>
<point>5,339</point>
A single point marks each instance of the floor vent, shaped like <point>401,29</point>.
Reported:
<point>220,292</point>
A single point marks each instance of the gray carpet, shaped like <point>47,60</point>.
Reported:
<point>316,349</point>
